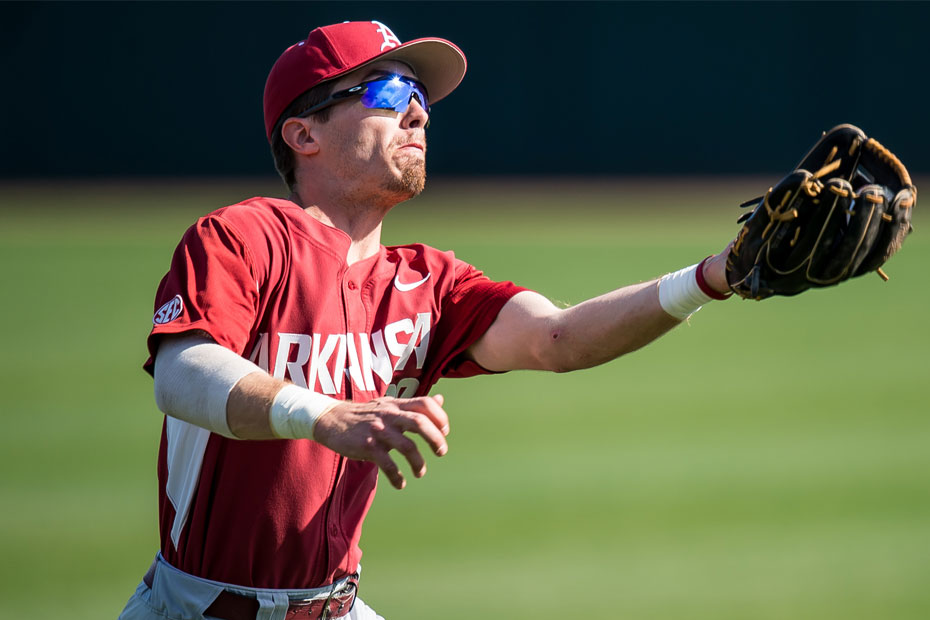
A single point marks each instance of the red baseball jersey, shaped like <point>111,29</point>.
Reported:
<point>271,283</point>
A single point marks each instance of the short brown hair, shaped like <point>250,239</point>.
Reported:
<point>283,155</point>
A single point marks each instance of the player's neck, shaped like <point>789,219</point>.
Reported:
<point>363,225</point>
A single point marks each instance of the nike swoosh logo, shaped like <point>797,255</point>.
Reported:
<point>402,287</point>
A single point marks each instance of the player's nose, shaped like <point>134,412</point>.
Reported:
<point>414,116</point>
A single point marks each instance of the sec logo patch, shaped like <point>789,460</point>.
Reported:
<point>169,312</point>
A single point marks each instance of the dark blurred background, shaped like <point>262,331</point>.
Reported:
<point>580,88</point>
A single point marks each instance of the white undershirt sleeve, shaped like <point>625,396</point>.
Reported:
<point>193,379</point>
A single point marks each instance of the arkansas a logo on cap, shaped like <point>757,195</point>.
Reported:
<point>390,39</point>
<point>169,311</point>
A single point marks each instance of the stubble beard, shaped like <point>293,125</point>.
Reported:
<point>412,179</point>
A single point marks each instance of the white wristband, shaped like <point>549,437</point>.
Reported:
<point>295,411</point>
<point>679,293</point>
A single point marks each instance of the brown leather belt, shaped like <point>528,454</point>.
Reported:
<point>232,606</point>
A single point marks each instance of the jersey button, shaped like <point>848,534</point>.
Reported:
<point>352,286</point>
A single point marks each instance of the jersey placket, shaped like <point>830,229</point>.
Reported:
<point>353,316</point>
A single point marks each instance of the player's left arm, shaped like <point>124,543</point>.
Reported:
<point>531,333</point>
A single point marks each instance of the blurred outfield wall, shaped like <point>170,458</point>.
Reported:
<point>580,88</point>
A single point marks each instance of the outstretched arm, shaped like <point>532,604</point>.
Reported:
<point>531,333</point>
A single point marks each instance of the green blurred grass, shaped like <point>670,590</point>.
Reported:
<point>689,480</point>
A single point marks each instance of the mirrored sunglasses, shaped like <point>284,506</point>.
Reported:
<point>388,93</point>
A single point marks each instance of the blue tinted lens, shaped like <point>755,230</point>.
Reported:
<point>393,94</point>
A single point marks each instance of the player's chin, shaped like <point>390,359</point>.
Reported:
<point>412,179</point>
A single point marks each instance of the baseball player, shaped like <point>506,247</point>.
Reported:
<point>292,352</point>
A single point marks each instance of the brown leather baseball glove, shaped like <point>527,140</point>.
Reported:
<point>843,212</point>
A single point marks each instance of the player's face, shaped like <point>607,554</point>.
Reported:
<point>374,151</point>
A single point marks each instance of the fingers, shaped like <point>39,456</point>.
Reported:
<point>369,431</point>
<point>424,416</point>
<point>420,425</point>
<point>390,469</point>
<point>391,438</point>
<point>431,407</point>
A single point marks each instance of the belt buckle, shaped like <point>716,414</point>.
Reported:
<point>307,608</point>
<point>347,595</point>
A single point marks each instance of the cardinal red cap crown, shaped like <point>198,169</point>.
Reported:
<point>332,51</point>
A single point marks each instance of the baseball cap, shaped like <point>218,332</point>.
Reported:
<point>332,51</point>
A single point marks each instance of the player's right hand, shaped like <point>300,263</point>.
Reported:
<point>369,431</point>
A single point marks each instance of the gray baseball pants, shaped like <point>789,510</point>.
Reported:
<point>176,595</point>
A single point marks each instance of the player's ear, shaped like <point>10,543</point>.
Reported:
<point>298,134</point>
